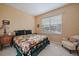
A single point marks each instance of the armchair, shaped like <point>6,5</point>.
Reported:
<point>72,44</point>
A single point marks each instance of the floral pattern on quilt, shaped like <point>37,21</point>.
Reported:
<point>27,41</point>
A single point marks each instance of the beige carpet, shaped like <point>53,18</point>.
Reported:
<point>51,50</point>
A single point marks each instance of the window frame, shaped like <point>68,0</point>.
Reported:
<point>50,24</point>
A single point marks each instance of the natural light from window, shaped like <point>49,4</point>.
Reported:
<point>52,24</point>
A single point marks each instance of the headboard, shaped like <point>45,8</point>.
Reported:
<point>23,32</point>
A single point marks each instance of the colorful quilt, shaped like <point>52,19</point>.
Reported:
<point>28,41</point>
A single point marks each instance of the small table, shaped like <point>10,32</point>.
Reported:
<point>6,40</point>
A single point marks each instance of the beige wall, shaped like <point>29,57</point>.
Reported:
<point>21,20</point>
<point>70,21</point>
<point>18,19</point>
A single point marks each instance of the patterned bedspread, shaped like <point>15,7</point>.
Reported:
<point>28,41</point>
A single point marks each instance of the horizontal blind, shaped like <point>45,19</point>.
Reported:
<point>52,24</point>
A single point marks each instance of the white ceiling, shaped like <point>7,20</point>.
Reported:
<point>35,9</point>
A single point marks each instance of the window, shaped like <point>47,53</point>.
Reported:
<point>52,24</point>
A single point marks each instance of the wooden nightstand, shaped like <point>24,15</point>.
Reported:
<point>6,40</point>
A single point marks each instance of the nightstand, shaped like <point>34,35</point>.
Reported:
<point>6,40</point>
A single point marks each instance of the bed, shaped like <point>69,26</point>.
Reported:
<point>28,44</point>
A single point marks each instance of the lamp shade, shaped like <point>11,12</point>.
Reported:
<point>6,22</point>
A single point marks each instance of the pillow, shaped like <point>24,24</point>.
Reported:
<point>74,38</point>
<point>22,38</point>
